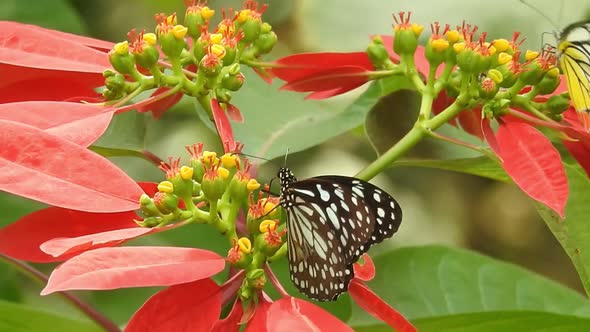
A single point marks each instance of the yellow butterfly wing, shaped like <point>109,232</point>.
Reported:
<point>574,47</point>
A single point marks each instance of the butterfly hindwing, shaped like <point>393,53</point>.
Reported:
<point>331,222</point>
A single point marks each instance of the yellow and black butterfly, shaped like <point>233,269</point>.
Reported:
<point>574,60</point>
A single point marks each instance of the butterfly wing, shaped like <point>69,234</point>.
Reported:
<point>334,220</point>
<point>574,46</point>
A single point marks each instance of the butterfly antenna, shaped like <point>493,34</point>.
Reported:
<point>286,155</point>
<point>253,156</point>
<point>553,23</point>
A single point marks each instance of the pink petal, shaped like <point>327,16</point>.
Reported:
<point>121,267</point>
<point>188,307</point>
<point>82,124</point>
<point>378,308</point>
<point>298,66</point>
<point>234,113</point>
<point>49,169</point>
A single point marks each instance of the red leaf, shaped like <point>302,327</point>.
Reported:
<point>317,95</point>
<point>160,106</point>
<point>120,267</point>
<point>533,163</point>
<point>189,307</point>
<point>22,45</point>
<point>232,321</point>
<point>26,84</point>
<point>293,314</point>
<point>470,121</point>
<point>336,78</point>
<point>234,113</point>
<point>21,239</point>
<point>82,40</point>
<point>256,314</point>
<point>44,167</point>
<point>441,102</point>
<point>82,124</point>
<point>71,246</point>
<point>489,136</point>
<point>378,308</point>
<point>366,271</point>
<point>222,124</point>
<point>298,66</point>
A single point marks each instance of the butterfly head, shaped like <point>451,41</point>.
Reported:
<point>286,176</point>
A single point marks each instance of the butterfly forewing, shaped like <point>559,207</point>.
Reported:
<point>331,222</point>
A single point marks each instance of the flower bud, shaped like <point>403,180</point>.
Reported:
<point>266,41</point>
<point>147,206</point>
<point>166,202</point>
<point>548,84</point>
<point>377,52</point>
<point>557,104</point>
<point>233,82</point>
<point>120,58</point>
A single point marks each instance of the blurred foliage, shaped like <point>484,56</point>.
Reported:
<point>442,207</point>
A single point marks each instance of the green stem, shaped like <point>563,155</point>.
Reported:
<point>421,129</point>
<point>87,310</point>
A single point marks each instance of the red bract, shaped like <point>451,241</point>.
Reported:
<point>156,105</point>
<point>82,124</point>
<point>323,72</point>
<point>293,314</point>
<point>23,238</point>
<point>365,271</point>
<point>55,171</point>
<point>222,124</point>
<point>256,315</point>
<point>375,306</point>
<point>193,306</point>
<point>468,120</point>
<point>119,267</point>
<point>42,64</point>
<point>533,163</point>
<point>232,321</point>
<point>58,247</point>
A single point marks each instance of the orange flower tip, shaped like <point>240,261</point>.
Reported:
<point>171,19</point>
<point>267,225</point>
<point>495,75</point>
<point>245,245</point>
<point>440,45</point>
<point>243,15</point>
<point>218,50</point>
<point>179,31</point>
<point>452,36</point>
<point>121,48</point>
<point>209,155</point>
<point>553,72</point>
<point>207,13</point>
<point>504,58</point>
<point>150,38</point>
<point>223,173</point>
<point>186,172</point>
<point>501,45</point>
<point>417,29</point>
<point>166,187</point>
<point>215,38</point>
<point>252,185</point>
<point>530,55</point>
<point>458,47</point>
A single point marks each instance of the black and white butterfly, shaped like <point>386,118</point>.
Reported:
<point>331,221</point>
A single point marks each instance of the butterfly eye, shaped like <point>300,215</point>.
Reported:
<point>331,222</point>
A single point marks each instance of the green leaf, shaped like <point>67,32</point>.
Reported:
<point>480,166</point>
<point>392,117</point>
<point>20,318</point>
<point>274,120</point>
<point>522,321</point>
<point>126,131</point>
<point>433,281</point>
<point>573,233</point>
<point>52,14</point>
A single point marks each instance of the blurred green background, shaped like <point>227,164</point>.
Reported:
<point>439,207</point>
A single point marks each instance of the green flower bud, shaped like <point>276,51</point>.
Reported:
<point>548,84</point>
<point>377,52</point>
<point>266,41</point>
<point>233,82</point>
<point>214,182</point>
<point>166,202</point>
<point>147,206</point>
<point>557,104</point>
<point>120,58</point>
